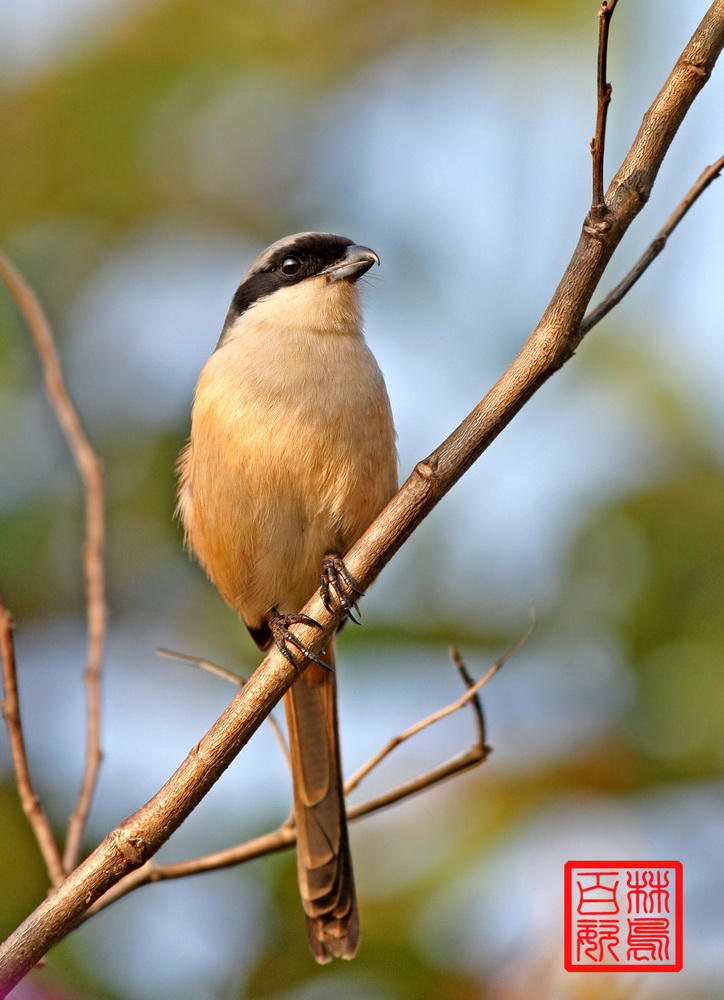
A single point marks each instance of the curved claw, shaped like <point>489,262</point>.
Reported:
<point>283,638</point>
<point>338,586</point>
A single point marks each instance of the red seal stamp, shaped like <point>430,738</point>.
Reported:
<point>623,916</point>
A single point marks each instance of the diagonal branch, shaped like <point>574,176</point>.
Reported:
<point>551,344</point>
<point>91,473</point>
<point>236,679</point>
<point>28,799</point>
<point>655,247</point>
<point>285,836</point>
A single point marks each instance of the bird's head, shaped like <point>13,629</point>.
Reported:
<point>307,279</point>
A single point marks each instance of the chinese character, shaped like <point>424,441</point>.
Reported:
<point>655,899</point>
<point>594,936</point>
<point>597,898</point>
<point>649,935</point>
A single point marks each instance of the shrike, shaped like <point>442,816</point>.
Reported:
<point>291,457</point>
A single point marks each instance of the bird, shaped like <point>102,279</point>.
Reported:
<point>291,456</point>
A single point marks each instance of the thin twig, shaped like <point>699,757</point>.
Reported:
<point>236,679</point>
<point>463,762</point>
<point>285,836</point>
<point>206,665</point>
<point>268,843</point>
<point>598,143</point>
<point>11,710</point>
<point>475,703</point>
<point>91,473</point>
<point>461,702</point>
<point>655,247</point>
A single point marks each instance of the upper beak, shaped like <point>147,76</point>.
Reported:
<point>356,262</point>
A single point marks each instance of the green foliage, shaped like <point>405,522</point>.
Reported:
<point>672,626</point>
<point>107,137</point>
<point>23,880</point>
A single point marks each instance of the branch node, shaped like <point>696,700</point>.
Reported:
<point>133,848</point>
<point>707,176</point>
<point>598,224</point>
<point>697,70</point>
<point>427,469</point>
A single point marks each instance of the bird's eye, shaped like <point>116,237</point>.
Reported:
<point>290,265</point>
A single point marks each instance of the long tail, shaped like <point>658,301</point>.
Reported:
<point>324,861</point>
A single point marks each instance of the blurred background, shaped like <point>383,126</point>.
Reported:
<point>149,151</point>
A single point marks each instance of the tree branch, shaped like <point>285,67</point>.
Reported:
<point>237,680</point>
<point>551,344</point>
<point>91,473</point>
<point>463,700</point>
<point>598,143</point>
<point>28,799</point>
<point>286,836</point>
<point>655,247</point>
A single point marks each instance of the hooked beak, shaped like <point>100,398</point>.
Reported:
<point>356,262</point>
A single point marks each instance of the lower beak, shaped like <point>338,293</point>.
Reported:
<point>356,262</point>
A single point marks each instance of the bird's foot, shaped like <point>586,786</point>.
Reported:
<point>339,588</point>
<point>284,638</point>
